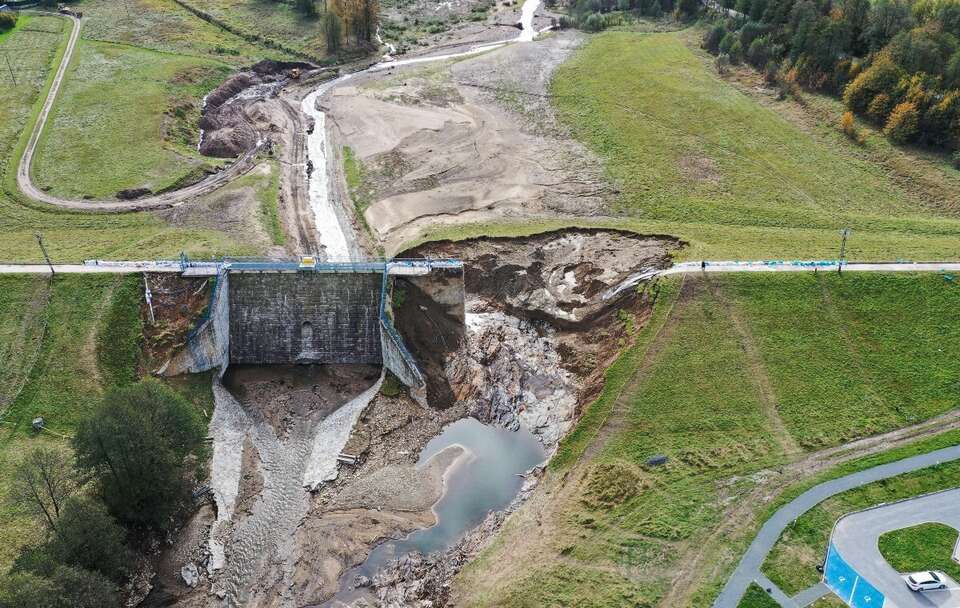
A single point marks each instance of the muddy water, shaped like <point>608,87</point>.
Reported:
<point>486,479</point>
<point>334,232</point>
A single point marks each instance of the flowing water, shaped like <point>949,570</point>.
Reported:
<point>486,479</point>
<point>332,229</point>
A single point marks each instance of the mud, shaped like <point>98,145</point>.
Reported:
<point>504,154</point>
<point>227,129</point>
<point>545,316</point>
<point>178,303</point>
<point>564,277</point>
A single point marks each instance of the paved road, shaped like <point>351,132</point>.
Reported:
<point>856,536</point>
<point>748,569</point>
<point>810,265</point>
<point>168,199</point>
<point>119,267</point>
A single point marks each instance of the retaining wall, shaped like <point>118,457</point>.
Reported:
<point>208,345</point>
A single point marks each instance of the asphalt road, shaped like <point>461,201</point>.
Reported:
<point>856,535</point>
<point>682,268</point>
<point>160,201</point>
<point>748,570</point>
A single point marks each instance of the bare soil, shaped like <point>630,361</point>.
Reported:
<point>503,153</point>
<point>178,303</point>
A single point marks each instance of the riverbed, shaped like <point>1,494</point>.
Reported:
<point>485,479</point>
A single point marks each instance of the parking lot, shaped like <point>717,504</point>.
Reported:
<point>857,571</point>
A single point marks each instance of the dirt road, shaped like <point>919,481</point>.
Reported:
<point>160,201</point>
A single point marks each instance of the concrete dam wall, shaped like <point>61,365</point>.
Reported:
<point>282,317</point>
<point>305,318</point>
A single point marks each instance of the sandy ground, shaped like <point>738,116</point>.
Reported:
<point>503,154</point>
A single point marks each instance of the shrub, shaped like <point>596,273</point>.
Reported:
<point>880,108</point>
<point>956,159</point>
<point>83,589</point>
<point>903,123</point>
<point>726,43</point>
<point>736,51</point>
<point>882,76</point>
<point>711,40</point>
<point>7,21</point>
<point>847,125</point>
<point>87,537</point>
<point>758,54</point>
<point>135,441</point>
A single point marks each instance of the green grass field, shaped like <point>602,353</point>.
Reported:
<point>115,125</point>
<point>163,25</point>
<point>276,21</point>
<point>700,159</point>
<point>72,237</point>
<point>690,390</point>
<point>756,597</point>
<point>923,547</point>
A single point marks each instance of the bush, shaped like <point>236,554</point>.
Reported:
<point>880,108</point>
<point>881,77</point>
<point>758,54</point>
<point>65,588</point>
<point>956,159</point>
<point>83,589</point>
<point>136,442</point>
<point>903,123</point>
<point>726,43</point>
<point>711,40</point>
<point>847,125</point>
<point>8,21</point>
<point>87,537</point>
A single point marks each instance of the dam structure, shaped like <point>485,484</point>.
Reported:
<point>276,312</point>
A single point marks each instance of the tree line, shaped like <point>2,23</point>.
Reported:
<point>343,20</point>
<point>597,15</point>
<point>895,63</point>
<point>125,484</point>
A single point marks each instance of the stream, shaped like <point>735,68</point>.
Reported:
<point>485,479</point>
<point>334,231</point>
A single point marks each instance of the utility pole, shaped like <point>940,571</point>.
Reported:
<point>10,67</point>
<point>843,248</point>
<point>45,256</point>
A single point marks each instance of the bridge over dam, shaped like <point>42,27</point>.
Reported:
<point>274,312</point>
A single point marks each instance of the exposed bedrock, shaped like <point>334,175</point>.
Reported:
<point>545,315</point>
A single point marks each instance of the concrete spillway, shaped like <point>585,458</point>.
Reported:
<point>275,313</point>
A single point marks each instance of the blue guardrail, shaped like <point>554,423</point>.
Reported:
<point>849,586</point>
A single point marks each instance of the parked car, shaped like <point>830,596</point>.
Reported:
<point>926,581</point>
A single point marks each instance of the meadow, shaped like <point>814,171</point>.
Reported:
<point>721,382</point>
<point>698,157</point>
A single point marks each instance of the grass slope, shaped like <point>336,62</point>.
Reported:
<point>923,547</point>
<point>689,390</point>
<point>844,358</point>
<point>698,158</point>
<point>117,122</point>
<point>70,236</point>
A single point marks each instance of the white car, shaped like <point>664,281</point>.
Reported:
<point>926,581</point>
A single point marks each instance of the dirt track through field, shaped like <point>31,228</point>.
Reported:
<point>757,370</point>
<point>161,201</point>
